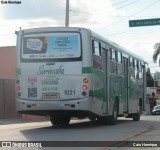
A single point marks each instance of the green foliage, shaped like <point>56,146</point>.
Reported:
<point>149,79</point>
<point>156,52</point>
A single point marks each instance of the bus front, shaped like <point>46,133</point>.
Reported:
<point>49,73</point>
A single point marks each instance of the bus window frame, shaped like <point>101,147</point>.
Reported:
<point>99,47</point>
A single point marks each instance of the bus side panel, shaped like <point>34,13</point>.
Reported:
<point>98,92</point>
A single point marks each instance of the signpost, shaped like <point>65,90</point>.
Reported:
<point>144,22</point>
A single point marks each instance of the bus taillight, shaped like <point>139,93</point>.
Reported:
<point>85,80</point>
<point>85,87</point>
<point>18,88</point>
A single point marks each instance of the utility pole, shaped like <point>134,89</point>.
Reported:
<point>67,14</point>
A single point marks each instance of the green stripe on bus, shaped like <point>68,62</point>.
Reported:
<point>90,93</point>
<point>18,71</point>
<point>87,70</point>
<point>99,93</point>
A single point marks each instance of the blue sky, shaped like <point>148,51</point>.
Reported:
<point>109,18</point>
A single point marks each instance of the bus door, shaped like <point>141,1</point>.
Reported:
<point>106,69</point>
<point>126,84</point>
<point>144,86</point>
<point>100,78</point>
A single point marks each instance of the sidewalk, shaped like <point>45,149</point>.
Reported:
<point>149,140</point>
<point>17,120</point>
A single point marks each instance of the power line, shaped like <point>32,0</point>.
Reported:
<point>142,32</point>
<point>96,9</point>
<point>135,13</point>
<point>88,12</point>
<point>128,4</point>
<point>101,9</point>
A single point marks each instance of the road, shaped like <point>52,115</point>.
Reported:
<point>82,130</point>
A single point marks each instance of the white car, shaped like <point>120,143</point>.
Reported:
<point>156,110</point>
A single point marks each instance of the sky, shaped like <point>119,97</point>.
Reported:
<point>109,18</point>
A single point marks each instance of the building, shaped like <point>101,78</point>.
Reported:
<point>7,82</point>
<point>7,85</point>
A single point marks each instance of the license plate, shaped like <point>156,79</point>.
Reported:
<point>50,96</point>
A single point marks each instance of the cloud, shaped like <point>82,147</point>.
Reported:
<point>33,9</point>
<point>92,12</point>
<point>52,12</point>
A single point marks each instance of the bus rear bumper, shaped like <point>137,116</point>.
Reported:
<point>43,107</point>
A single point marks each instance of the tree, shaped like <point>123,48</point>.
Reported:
<point>149,79</point>
<point>156,52</point>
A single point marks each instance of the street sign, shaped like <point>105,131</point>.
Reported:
<point>144,22</point>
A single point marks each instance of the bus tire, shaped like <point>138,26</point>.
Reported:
<point>92,118</point>
<point>60,120</point>
<point>114,116</point>
<point>136,116</point>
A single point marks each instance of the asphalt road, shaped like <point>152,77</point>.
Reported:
<point>82,130</point>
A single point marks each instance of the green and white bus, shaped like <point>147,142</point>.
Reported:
<point>66,72</point>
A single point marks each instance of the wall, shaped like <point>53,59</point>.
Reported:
<point>7,62</point>
<point>7,85</point>
<point>7,99</point>
<point>7,82</point>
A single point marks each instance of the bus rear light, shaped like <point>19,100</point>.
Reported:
<point>18,88</point>
<point>85,80</point>
<point>85,87</point>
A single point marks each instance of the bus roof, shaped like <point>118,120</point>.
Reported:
<point>101,38</point>
<point>116,46</point>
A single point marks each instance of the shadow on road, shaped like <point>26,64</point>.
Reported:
<point>85,130</point>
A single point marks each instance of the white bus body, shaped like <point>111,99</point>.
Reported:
<point>69,72</point>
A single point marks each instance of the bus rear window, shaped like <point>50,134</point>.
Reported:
<point>51,45</point>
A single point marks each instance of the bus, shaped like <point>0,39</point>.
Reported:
<point>66,72</point>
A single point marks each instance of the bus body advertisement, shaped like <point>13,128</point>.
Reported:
<point>67,72</point>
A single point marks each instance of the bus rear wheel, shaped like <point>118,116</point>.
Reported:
<point>60,120</point>
<point>113,118</point>
<point>136,116</point>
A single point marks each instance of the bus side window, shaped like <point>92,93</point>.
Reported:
<point>97,59</point>
<point>113,61</point>
<point>96,48</point>
<point>119,57</point>
<point>137,69</point>
<point>140,72</point>
<point>119,63</point>
<point>113,55</point>
<point>132,70</point>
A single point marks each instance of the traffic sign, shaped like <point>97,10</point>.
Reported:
<point>144,22</point>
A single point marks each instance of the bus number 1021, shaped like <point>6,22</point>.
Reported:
<point>69,92</point>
